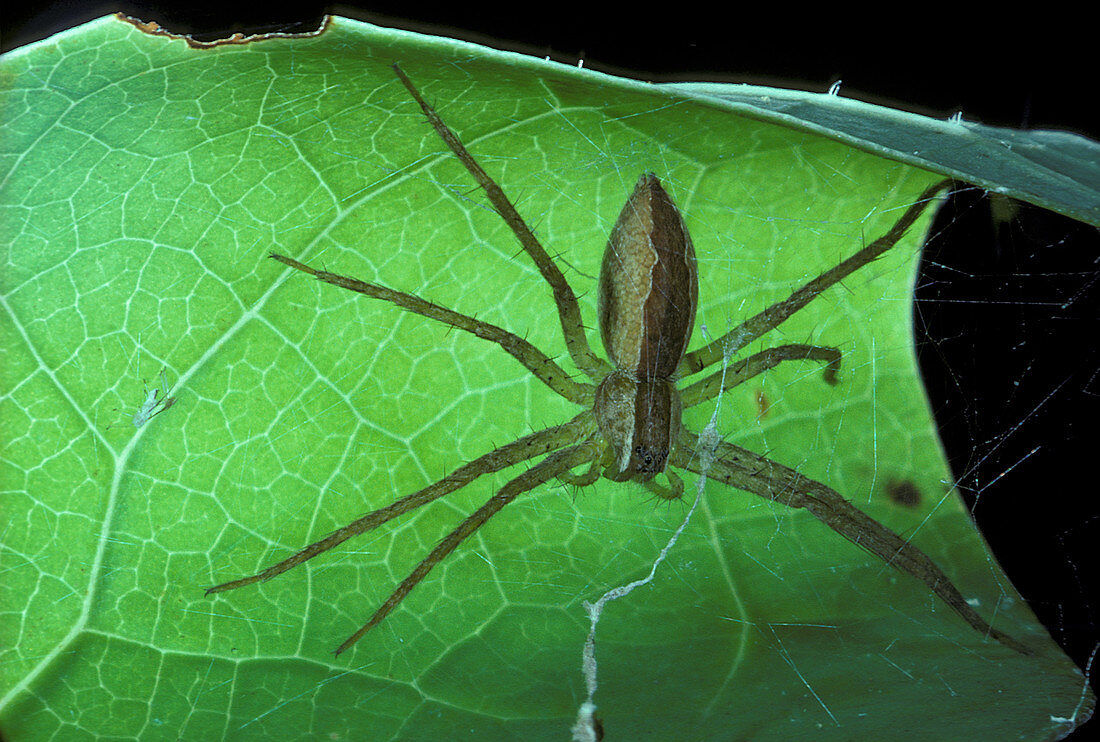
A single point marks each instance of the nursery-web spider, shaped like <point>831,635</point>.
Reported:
<point>629,428</point>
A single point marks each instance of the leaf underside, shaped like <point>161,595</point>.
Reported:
<point>146,181</point>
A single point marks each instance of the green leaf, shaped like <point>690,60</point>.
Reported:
<point>1057,170</point>
<point>145,181</point>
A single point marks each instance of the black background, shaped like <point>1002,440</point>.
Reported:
<point>1007,301</point>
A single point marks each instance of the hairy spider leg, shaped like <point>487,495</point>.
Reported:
<point>777,313</point>
<point>547,469</point>
<point>744,470</point>
<point>569,312</point>
<point>538,363</point>
<point>674,490</point>
<point>590,476</point>
<point>523,449</point>
<point>738,373</point>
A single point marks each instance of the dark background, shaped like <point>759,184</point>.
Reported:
<point>1007,311</point>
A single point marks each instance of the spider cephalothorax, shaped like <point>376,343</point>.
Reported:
<point>629,426</point>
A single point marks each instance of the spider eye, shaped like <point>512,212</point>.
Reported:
<point>649,460</point>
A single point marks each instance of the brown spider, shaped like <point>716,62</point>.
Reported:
<point>629,428</point>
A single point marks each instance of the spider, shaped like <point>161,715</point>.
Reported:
<point>154,403</point>
<point>629,427</point>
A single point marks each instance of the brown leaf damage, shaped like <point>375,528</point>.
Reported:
<point>155,29</point>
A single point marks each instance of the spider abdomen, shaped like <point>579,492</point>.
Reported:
<point>649,285</point>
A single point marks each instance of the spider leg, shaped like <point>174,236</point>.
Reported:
<point>551,467</point>
<point>537,362</point>
<point>525,448</point>
<point>589,477</point>
<point>569,311</point>
<point>674,490</point>
<point>777,313</point>
<point>758,363</point>
<point>745,470</point>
